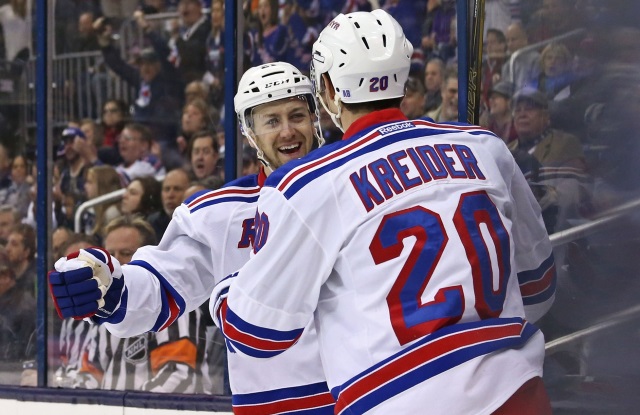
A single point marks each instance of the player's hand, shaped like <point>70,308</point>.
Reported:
<point>87,283</point>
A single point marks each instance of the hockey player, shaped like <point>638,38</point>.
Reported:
<point>417,248</point>
<point>210,236</point>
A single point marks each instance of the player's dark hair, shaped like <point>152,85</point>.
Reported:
<point>370,106</point>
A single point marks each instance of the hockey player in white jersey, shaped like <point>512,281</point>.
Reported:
<point>416,247</point>
<point>210,236</point>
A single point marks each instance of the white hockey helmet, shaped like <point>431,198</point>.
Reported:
<point>366,55</point>
<point>267,83</point>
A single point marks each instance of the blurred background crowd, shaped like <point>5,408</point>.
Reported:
<point>138,93</point>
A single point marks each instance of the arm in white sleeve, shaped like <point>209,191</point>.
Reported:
<point>534,260</point>
<point>170,279</point>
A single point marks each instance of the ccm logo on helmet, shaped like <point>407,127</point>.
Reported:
<point>276,83</point>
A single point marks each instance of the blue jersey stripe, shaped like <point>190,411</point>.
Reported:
<point>238,198</point>
<point>261,332</point>
<point>280,394</point>
<point>535,274</point>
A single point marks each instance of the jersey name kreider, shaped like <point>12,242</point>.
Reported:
<point>402,170</point>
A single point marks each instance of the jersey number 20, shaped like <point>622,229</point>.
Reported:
<point>410,318</point>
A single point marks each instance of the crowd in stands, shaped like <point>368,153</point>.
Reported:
<point>564,105</point>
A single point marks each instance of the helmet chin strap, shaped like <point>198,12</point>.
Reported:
<point>248,133</point>
<point>334,117</point>
<point>260,155</point>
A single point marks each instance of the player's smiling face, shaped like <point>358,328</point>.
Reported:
<point>283,130</point>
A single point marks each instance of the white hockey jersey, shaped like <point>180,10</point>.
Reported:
<point>210,236</point>
<point>421,253</point>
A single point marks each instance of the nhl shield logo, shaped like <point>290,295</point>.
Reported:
<point>136,349</point>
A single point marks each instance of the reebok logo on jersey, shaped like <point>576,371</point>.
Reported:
<point>395,127</point>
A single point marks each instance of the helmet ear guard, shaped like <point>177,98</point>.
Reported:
<point>321,62</point>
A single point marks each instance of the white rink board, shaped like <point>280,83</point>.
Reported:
<point>13,407</point>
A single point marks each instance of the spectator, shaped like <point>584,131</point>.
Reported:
<point>15,20</point>
<point>158,83</point>
<point>59,238</point>
<point>196,90</point>
<point>101,180</point>
<point>74,167</point>
<point>93,131</point>
<point>86,145</point>
<point>66,14</point>
<point>187,50</point>
<point>9,217</point>
<point>559,154</point>
<point>492,63</point>
<point>436,29</point>
<point>556,75</point>
<point>448,110</point>
<point>173,188</point>
<point>115,114</point>
<point>196,116</point>
<point>412,104</point>
<point>433,79</point>
<point>64,204</point>
<point>191,45</point>
<point>5,173</point>
<point>21,182</point>
<point>168,361</point>
<point>500,117</point>
<point>302,33</point>
<point>499,14</point>
<point>214,77</point>
<point>204,154</point>
<point>17,320</point>
<point>56,208</point>
<point>21,253</point>
<point>142,197</point>
<point>134,145</point>
<point>86,39</point>
<point>523,67</point>
<point>271,38</point>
